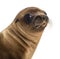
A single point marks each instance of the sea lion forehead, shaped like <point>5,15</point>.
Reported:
<point>33,10</point>
<point>30,10</point>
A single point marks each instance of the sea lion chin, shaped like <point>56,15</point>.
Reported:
<point>20,39</point>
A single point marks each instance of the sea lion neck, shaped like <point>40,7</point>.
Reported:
<point>18,30</point>
<point>26,31</point>
<point>16,36</point>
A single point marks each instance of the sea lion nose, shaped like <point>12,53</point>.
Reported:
<point>37,21</point>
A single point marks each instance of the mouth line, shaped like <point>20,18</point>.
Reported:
<point>38,29</point>
<point>37,26</point>
<point>40,26</point>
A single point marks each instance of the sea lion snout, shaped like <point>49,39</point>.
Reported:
<point>40,21</point>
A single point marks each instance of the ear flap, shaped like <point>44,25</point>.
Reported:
<point>16,20</point>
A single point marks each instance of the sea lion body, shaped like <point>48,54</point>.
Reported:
<point>17,42</point>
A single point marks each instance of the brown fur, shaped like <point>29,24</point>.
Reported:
<point>18,41</point>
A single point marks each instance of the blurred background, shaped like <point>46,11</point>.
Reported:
<point>49,45</point>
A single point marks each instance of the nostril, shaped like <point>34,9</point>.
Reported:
<point>44,24</point>
<point>44,18</point>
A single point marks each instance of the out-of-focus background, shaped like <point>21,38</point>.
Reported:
<point>49,45</point>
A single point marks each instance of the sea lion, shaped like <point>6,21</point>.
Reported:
<point>20,39</point>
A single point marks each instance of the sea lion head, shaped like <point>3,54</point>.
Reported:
<point>32,19</point>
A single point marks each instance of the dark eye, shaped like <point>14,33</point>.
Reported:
<point>28,18</point>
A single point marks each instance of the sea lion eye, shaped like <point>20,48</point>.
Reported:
<point>28,18</point>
